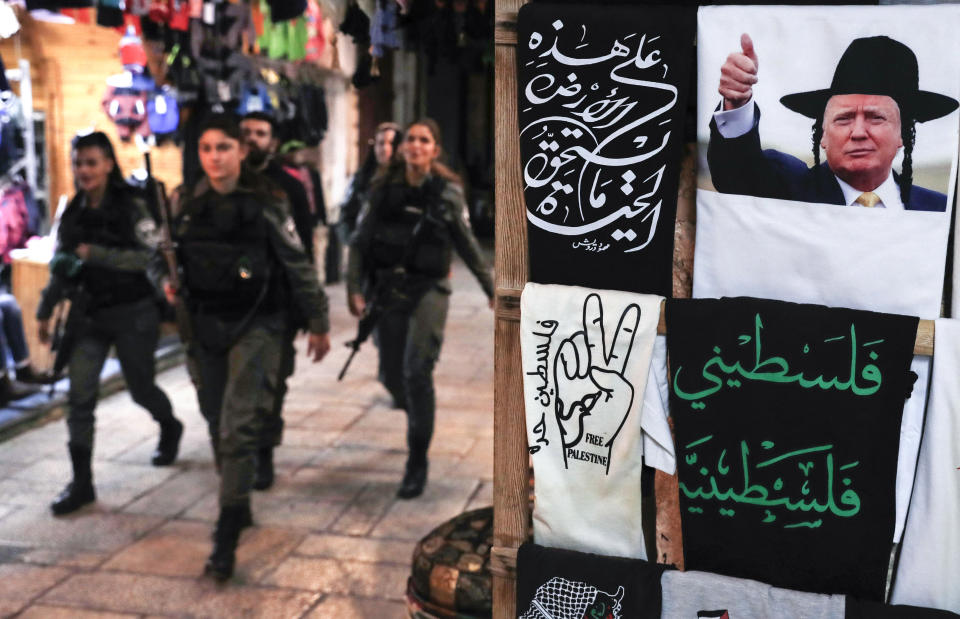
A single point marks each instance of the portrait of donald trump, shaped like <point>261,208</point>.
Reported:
<point>862,130</point>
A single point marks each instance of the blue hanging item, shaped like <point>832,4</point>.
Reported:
<point>254,99</point>
<point>163,112</point>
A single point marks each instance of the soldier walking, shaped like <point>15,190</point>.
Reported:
<point>107,248</point>
<point>242,263</point>
<point>258,130</point>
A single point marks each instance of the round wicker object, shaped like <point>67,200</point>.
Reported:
<point>450,578</point>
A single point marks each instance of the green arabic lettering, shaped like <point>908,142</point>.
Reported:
<point>720,466</point>
<point>848,497</point>
<point>869,372</point>
<point>759,495</point>
<point>699,441</point>
<point>814,524</point>
<point>683,395</point>
<point>791,454</point>
<point>776,369</point>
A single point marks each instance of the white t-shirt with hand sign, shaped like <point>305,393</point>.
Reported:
<point>586,355</point>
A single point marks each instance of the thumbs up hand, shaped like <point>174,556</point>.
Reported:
<point>738,75</point>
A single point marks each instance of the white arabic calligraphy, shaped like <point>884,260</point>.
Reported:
<point>604,136</point>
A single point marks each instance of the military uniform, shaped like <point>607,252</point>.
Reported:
<point>416,228</point>
<point>242,262</point>
<point>120,279</point>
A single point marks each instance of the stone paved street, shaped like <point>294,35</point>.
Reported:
<point>330,540</point>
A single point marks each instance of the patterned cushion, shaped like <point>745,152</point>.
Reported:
<point>451,569</point>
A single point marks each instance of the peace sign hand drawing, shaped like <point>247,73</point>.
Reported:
<point>593,396</point>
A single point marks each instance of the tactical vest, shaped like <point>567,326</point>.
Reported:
<point>410,231</point>
<point>111,226</point>
<point>225,254</point>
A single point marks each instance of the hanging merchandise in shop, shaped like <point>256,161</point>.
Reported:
<point>216,56</point>
<point>602,99</point>
<point>586,359</point>
<point>20,215</point>
<point>770,224</point>
<point>787,421</point>
<point>926,573</point>
<point>460,31</point>
<point>564,584</point>
<point>702,595</point>
<point>127,94</point>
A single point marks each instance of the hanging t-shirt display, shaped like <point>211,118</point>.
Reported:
<point>778,209</point>
<point>586,357</point>
<point>928,572</point>
<point>602,100</point>
<point>563,584</point>
<point>787,421</point>
<point>696,595</point>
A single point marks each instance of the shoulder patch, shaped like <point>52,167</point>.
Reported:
<point>146,230</point>
<point>290,232</point>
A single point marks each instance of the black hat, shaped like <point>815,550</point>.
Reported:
<point>876,66</point>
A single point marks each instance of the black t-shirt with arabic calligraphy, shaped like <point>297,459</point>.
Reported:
<point>564,584</point>
<point>787,422</point>
<point>602,97</point>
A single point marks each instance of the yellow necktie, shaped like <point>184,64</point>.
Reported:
<point>868,199</point>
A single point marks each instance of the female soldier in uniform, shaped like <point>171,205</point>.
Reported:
<point>386,143</point>
<point>242,262</point>
<point>400,255</point>
<point>106,249</point>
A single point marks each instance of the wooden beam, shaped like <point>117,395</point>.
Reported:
<point>510,459</point>
<point>508,308</point>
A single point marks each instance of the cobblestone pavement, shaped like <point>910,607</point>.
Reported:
<point>330,540</point>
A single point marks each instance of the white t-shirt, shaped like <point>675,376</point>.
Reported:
<point>928,573</point>
<point>702,594</point>
<point>586,356</point>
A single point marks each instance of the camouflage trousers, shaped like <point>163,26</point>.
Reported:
<point>236,391</point>
<point>409,344</point>
<point>131,329</point>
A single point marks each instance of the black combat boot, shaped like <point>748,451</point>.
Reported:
<point>414,477</point>
<point>28,375</point>
<point>169,443</point>
<point>220,564</point>
<point>12,390</point>
<point>245,519</point>
<point>78,492</point>
<point>264,478</point>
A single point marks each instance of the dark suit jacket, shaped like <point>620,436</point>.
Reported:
<point>740,165</point>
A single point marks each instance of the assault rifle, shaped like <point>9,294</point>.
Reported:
<point>158,204</point>
<point>68,326</point>
<point>389,294</point>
